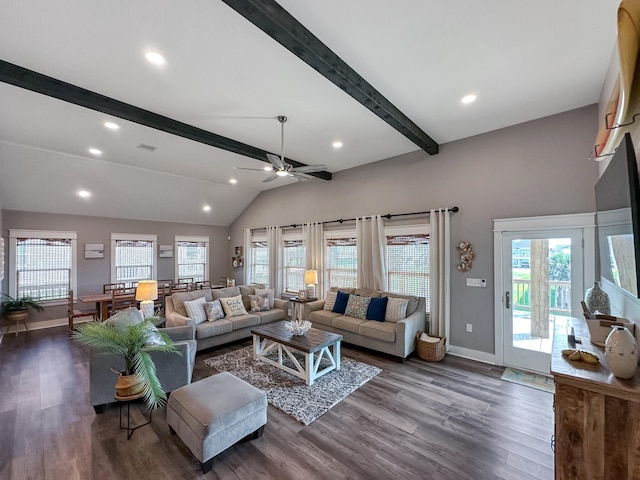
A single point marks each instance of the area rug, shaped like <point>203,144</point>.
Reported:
<point>290,394</point>
<point>528,379</point>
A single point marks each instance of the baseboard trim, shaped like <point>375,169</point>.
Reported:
<point>39,325</point>
<point>477,355</point>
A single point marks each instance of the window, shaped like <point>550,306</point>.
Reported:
<point>341,260</point>
<point>192,258</point>
<point>132,258</point>
<point>294,265</point>
<point>408,261</point>
<point>259,267</point>
<point>42,264</point>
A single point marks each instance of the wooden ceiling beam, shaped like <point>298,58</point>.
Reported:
<point>276,22</point>
<point>52,87</point>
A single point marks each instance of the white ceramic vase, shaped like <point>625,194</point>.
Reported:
<point>621,352</point>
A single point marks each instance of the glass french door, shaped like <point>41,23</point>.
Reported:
<point>543,281</point>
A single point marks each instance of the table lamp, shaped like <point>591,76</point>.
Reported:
<point>310,279</point>
<point>146,293</point>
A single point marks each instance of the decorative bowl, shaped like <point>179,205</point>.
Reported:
<point>298,328</point>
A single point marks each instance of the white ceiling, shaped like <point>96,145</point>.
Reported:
<point>524,60</point>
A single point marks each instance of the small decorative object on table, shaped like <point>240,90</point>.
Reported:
<point>430,347</point>
<point>621,352</point>
<point>597,300</point>
<point>302,295</point>
<point>298,327</point>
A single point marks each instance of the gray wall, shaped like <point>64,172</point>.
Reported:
<point>536,168</point>
<point>93,273</point>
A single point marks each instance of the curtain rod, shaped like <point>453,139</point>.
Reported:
<point>342,220</point>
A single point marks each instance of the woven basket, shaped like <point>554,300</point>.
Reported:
<point>431,351</point>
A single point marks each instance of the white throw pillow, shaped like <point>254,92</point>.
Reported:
<point>233,306</point>
<point>269,291</point>
<point>330,300</point>
<point>195,310</point>
<point>214,310</point>
<point>396,309</point>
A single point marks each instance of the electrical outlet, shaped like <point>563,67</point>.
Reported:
<point>469,328</point>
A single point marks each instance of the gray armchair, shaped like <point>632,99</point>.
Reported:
<point>174,369</point>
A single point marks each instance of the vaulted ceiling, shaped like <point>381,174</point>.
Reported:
<point>394,87</point>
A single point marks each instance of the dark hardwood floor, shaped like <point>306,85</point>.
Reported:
<point>451,420</point>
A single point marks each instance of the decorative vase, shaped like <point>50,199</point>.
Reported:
<point>621,352</point>
<point>597,300</point>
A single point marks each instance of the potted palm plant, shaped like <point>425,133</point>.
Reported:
<point>17,309</point>
<point>132,342</point>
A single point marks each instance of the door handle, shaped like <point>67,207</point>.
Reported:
<point>507,299</point>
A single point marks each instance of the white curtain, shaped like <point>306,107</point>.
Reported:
<point>372,253</point>
<point>440,273</point>
<point>248,257</point>
<point>314,248</point>
<point>274,239</point>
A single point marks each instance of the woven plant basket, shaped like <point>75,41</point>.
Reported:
<point>129,387</point>
<point>431,351</point>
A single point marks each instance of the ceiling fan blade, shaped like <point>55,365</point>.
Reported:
<point>252,169</point>
<point>276,161</point>
<point>301,177</point>
<point>309,168</point>
<point>270,179</point>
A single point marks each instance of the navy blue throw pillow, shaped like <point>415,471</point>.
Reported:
<point>341,302</point>
<point>377,308</point>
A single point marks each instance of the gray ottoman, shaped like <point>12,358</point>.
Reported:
<point>214,413</point>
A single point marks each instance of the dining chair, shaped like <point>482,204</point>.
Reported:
<point>108,287</point>
<point>121,299</point>
<point>201,285</point>
<point>178,287</point>
<point>73,313</point>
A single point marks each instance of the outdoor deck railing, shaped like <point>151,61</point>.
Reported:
<point>559,296</point>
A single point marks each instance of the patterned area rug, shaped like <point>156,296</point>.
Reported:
<point>528,379</point>
<point>290,394</point>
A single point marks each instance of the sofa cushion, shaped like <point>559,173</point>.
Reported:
<point>324,317</point>
<point>195,310</point>
<point>233,306</point>
<point>348,291</point>
<point>413,301</point>
<point>225,292</point>
<point>179,298</point>
<point>385,331</point>
<point>341,303</point>
<point>396,309</point>
<point>211,329</point>
<point>269,291</point>
<point>246,291</point>
<point>330,300</point>
<point>357,306</point>
<point>377,308</point>
<point>270,316</point>
<point>349,324</point>
<point>241,321</point>
<point>214,310</point>
<point>364,292</point>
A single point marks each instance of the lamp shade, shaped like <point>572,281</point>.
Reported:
<point>147,290</point>
<point>311,277</point>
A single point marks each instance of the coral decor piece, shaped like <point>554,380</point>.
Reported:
<point>466,256</point>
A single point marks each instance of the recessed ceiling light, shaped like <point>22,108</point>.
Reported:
<point>469,98</point>
<point>233,181</point>
<point>84,193</point>
<point>154,57</point>
<point>268,168</point>
<point>95,151</point>
<point>337,144</point>
<point>111,125</point>
<point>206,208</point>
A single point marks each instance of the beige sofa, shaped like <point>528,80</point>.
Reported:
<point>228,329</point>
<point>394,338</point>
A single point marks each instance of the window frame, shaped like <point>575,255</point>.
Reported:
<point>336,234</point>
<point>134,237</point>
<point>15,234</point>
<point>190,238</point>
<point>258,239</point>
<point>297,237</point>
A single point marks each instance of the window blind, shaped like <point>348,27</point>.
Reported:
<point>192,260</point>
<point>133,261</point>
<point>43,268</point>
<point>341,262</point>
<point>408,264</point>
<point>294,265</point>
<point>260,265</point>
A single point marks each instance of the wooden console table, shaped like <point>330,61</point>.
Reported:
<point>597,416</point>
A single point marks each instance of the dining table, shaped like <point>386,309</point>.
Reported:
<point>102,301</point>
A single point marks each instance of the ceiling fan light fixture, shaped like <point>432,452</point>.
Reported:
<point>282,173</point>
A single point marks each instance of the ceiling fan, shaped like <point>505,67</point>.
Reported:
<point>280,168</point>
